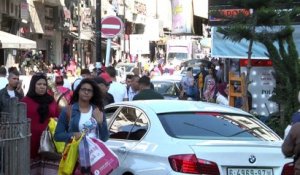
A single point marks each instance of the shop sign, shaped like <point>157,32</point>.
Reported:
<point>86,18</point>
<point>182,16</point>
<point>24,10</point>
<point>262,86</point>
<point>139,44</point>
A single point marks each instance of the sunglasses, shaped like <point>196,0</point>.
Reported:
<point>86,90</point>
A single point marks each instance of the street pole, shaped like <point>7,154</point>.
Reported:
<point>79,35</point>
<point>124,34</point>
<point>98,35</point>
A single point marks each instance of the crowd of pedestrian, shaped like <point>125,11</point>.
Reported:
<point>51,95</point>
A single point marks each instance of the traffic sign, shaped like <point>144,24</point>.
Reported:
<point>111,26</point>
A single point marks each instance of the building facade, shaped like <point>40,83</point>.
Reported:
<point>66,29</point>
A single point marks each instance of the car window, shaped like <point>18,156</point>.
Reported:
<point>164,88</point>
<point>109,112</point>
<point>215,126</point>
<point>130,123</point>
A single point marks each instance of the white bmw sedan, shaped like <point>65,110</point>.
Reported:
<point>167,137</point>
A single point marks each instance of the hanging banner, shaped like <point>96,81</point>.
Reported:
<point>182,17</point>
<point>226,48</point>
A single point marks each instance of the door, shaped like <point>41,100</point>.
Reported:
<point>126,129</point>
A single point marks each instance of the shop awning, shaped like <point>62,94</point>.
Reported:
<point>8,40</point>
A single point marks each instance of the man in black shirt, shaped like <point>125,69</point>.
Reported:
<point>103,85</point>
<point>146,93</point>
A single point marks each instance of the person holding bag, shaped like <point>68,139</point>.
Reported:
<point>85,115</point>
<point>40,108</point>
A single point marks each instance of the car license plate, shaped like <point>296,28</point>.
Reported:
<point>249,171</point>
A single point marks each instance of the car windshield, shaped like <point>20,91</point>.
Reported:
<point>214,126</point>
<point>178,56</point>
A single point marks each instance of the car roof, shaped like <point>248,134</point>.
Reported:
<point>168,106</point>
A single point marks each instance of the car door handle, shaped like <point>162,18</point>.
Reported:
<point>122,149</point>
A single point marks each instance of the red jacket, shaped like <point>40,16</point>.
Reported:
<point>36,127</point>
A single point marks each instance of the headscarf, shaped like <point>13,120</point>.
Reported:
<point>42,100</point>
<point>210,92</point>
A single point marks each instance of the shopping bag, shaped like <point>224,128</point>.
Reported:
<point>84,156</point>
<point>103,161</point>
<point>47,148</point>
<point>69,157</point>
<point>59,146</point>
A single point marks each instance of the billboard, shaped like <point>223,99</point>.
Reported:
<point>225,8</point>
<point>182,17</point>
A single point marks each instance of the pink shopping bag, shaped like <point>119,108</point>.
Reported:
<point>103,161</point>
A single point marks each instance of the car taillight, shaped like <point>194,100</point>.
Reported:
<point>188,163</point>
<point>288,169</point>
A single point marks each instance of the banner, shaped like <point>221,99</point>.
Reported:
<point>225,48</point>
<point>182,17</point>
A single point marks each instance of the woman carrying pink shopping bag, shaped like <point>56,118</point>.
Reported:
<point>84,115</point>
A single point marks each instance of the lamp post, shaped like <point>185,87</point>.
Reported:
<point>98,32</point>
<point>124,34</point>
<point>79,34</point>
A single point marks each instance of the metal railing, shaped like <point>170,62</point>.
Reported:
<point>15,140</point>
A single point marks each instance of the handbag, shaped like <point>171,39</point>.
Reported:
<point>69,157</point>
<point>59,146</point>
<point>47,148</point>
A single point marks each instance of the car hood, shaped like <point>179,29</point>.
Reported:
<point>237,153</point>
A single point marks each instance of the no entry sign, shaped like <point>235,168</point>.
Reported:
<point>111,26</point>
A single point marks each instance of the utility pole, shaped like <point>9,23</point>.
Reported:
<point>80,60</point>
<point>98,35</point>
<point>124,33</point>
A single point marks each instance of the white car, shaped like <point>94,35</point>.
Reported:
<point>175,137</point>
<point>167,85</point>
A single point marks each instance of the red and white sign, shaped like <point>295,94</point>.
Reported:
<point>111,26</point>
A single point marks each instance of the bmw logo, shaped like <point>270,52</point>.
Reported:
<point>252,159</point>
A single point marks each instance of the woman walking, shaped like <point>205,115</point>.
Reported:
<point>40,107</point>
<point>84,115</point>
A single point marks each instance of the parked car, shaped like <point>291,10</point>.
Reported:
<point>167,85</point>
<point>196,63</point>
<point>174,137</point>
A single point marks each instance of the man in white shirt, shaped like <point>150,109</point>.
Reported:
<point>12,90</point>
<point>3,79</point>
<point>117,89</point>
<point>134,87</point>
